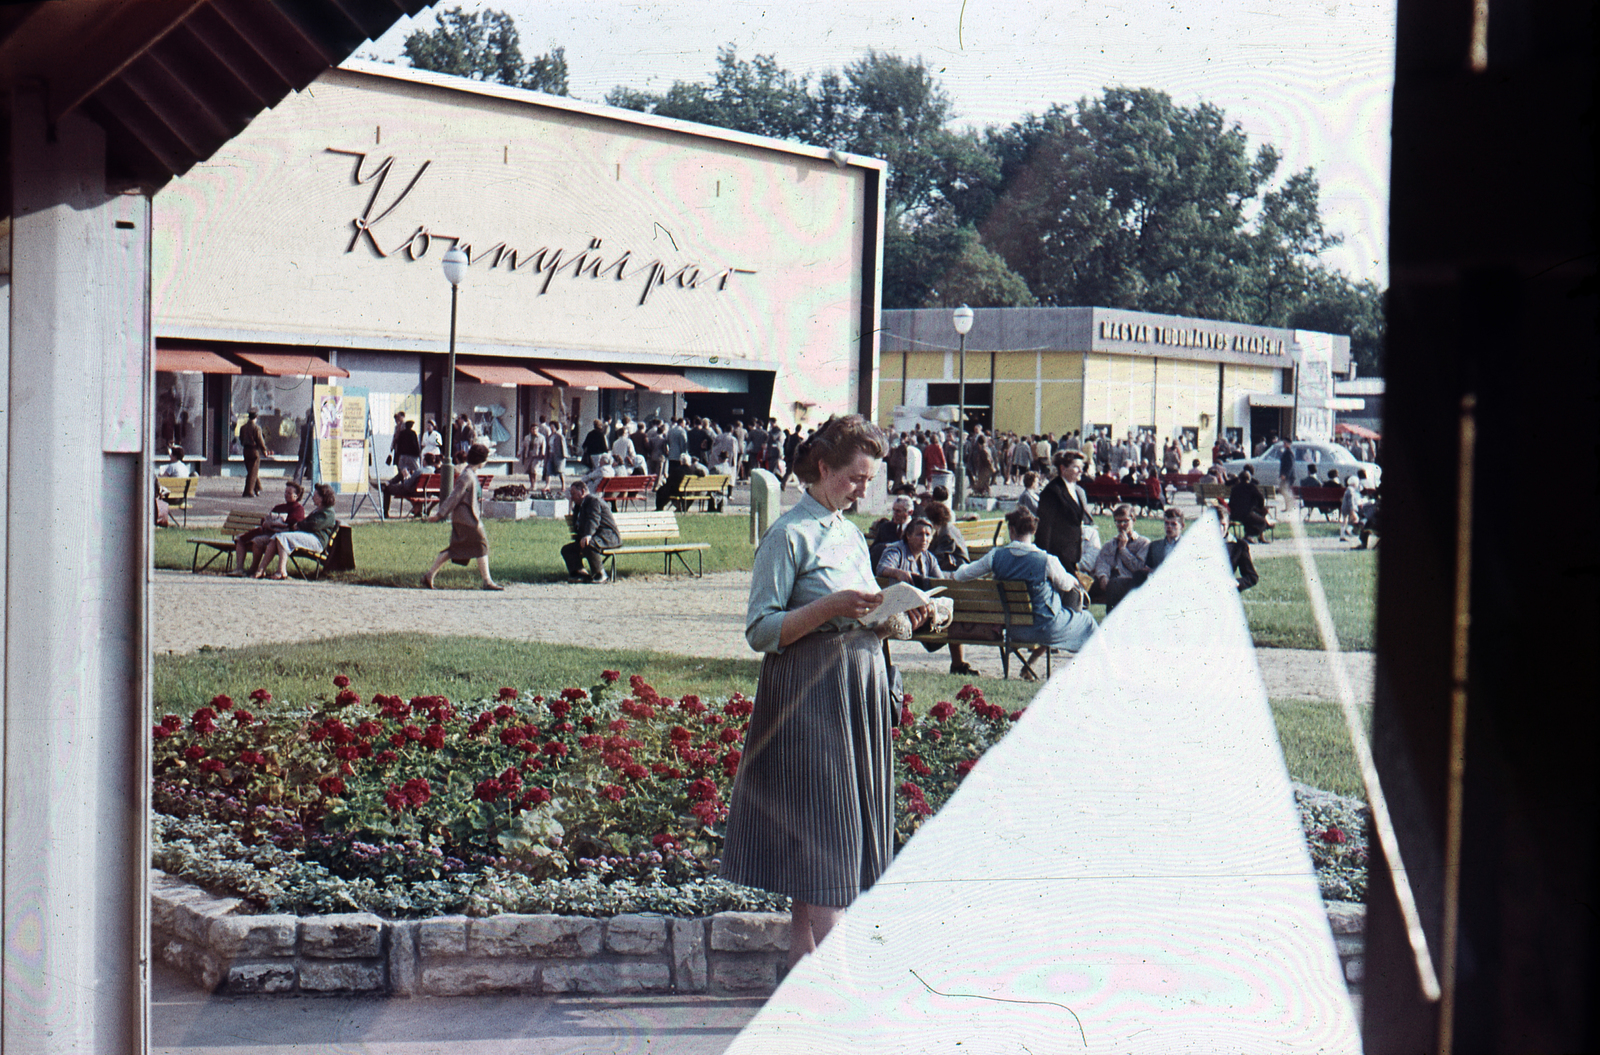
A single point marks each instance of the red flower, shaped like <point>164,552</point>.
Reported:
<point>730,762</point>
<point>251,758</point>
<point>906,717</point>
<point>394,707</point>
<point>680,735</point>
<point>242,717</point>
<point>738,706</point>
<point>702,789</point>
<point>534,796</point>
<point>614,792</point>
<point>917,765</point>
<point>611,675</point>
<point>920,807</point>
<point>572,695</point>
<point>1016,715</point>
<point>508,693</point>
<point>963,768</point>
<point>941,710</point>
<point>385,757</point>
<point>346,697</point>
<point>555,749</point>
<point>487,790</point>
<point>412,732</point>
<point>663,840</point>
<point>368,728</point>
<point>341,682</point>
<point>261,696</point>
<point>935,735</point>
<point>1333,835</point>
<point>433,739</point>
<point>204,721</point>
<point>560,708</point>
<point>634,771</point>
<point>346,752</point>
<point>161,732</point>
<point>692,705</point>
<point>590,742</point>
<point>221,703</point>
<point>511,780</point>
<point>618,725</point>
<point>194,753</point>
<point>332,787</point>
<point>398,740</point>
<point>395,799</point>
<point>211,765</point>
<point>729,735</point>
<point>418,791</point>
<point>172,723</point>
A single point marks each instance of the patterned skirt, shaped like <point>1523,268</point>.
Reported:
<point>812,811</point>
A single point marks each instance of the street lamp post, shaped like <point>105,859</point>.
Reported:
<point>455,269</point>
<point>962,318</point>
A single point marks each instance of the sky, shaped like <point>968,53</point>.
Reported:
<point>1311,77</point>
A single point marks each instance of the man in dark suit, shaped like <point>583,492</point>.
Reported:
<point>254,444</point>
<point>1247,507</point>
<point>1172,521</point>
<point>1063,510</point>
<point>684,466</point>
<point>593,531</point>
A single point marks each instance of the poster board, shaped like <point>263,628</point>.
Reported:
<point>343,436</point>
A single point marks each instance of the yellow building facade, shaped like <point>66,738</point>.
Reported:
<point>1038,371</point>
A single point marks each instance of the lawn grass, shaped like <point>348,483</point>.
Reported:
<point>1315,746</point>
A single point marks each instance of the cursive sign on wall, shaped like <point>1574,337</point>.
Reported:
<point>548,261</point>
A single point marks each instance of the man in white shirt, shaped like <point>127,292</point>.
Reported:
<point>176,467</point>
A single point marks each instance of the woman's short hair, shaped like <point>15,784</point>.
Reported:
<point>325,495</point>
<point>916,522</point>
<point>1028,480</point>
<point>937,513</point>
<point>1021,522</point>
<point>836,444</point>
<point>1065,458</point>
<point>299,490</point>
<point>477,454</point>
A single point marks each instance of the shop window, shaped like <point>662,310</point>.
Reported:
<point>1234,435</point>
<point>492,409</point>
<point>1189,437</point>
<point>282,405</point>
<point>180,414</point>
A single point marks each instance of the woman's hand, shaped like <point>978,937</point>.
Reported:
<point>896,573</point>
<point>920,617</point>
<point>852,604</point>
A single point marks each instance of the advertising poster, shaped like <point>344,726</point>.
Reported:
<point>342,437</point>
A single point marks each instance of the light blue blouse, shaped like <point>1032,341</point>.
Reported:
<point>808,553</point>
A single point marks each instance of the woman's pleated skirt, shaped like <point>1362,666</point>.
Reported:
<point>812,812</point>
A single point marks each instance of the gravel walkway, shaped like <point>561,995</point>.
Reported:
<point>692,617</point>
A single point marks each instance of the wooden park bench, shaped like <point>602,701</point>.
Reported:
<point>986,613</point>
<point>335,556</point>
<point>239,521</point>
<point>982,534</point>
<point>181,491</point>
<point>652,532</point>
<point>710,490</point>
<point>1108,494</point>
<point>427,493</point>
<point>1324,499</point>
<point>1182,481</point>
<point>626,489</point>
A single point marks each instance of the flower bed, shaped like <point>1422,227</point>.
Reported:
<point>594,802</point>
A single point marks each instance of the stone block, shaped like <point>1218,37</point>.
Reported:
<point>162,910</point>
<point>330,976</point>
<point>606,978</point>
<point>544,936</point>
<point>403,958</point>
<point>208,970</point>
<point>442,936</point>
<point>1349,945</point>
<point>252,937</point>
<point>744,974</point>
<point>250,978</point>
<point>471,977</point>
<point>1355,970</point>
<point>192,917</point>
<point>749,932</point>
<point>1346,917</point>
<point>689,955</point>
<point>637,935</point>
<point>347,936</point>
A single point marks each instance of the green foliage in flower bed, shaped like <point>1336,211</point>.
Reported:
<point>585,801</point>
<point>1336,832</point>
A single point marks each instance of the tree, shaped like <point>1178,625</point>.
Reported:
<point>485,46</point>
<point>1335,304</point>
<point>1287,242</point>
<point>756,96</point>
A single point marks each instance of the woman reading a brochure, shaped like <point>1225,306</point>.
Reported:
<point>812,809</point>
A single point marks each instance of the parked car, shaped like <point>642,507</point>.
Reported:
<point>1324,456</point>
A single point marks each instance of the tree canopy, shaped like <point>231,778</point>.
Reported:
<point>1124,200</point>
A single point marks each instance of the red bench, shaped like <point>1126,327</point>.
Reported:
<point>1182,481</point>
<point>1105,494</point>
<point>629,489</point>
<point>427,494</point>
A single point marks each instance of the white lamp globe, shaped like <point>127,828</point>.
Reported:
<point>962,319</point>
<point>455,266</point>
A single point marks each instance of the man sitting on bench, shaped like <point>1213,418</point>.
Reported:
<point>1060,616</point>
<point>1248,508</point>
<point>1120,565</point>
<point>594,530</point>
<point>676,471</point>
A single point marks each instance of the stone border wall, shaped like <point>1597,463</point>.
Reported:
<point>730,953</point>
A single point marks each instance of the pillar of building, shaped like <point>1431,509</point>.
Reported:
<point>77,494</point>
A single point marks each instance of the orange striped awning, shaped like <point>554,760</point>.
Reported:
<point>291,364</point>
<point>193,361</point>
<point>502,374</point>
<point>578,377</point>
<point>656,381</point>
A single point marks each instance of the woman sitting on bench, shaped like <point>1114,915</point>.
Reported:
<point>910,560</point>
<point>312,533</point>
<point>1060,610</point>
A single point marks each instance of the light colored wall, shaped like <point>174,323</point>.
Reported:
<point>256,242</point>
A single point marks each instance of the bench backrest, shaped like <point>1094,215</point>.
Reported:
<point>180,488</point>
<point>691,484</point>
<point>643,525</point>
<point>427,482</point>
<point>988,602</point>
<point>1211,492</point>
<point>982,534</point>
<point>239,521</point>
<point>625,485</point>
<point>1320,493</point>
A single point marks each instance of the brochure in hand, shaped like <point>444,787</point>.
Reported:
<point>901,597</point>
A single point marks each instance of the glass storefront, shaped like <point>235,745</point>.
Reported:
<point>180,414</point>
<point>281,405</point>
<point>492,410</point>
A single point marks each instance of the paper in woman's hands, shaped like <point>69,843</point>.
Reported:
<point>901,597</point>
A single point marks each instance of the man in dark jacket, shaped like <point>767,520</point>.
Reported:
<point>595,444</point>
<point>1247,507</point>
<point>594,530</point>
<point>1063,510</point>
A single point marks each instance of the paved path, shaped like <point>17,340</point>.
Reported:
<point>691,617</point>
